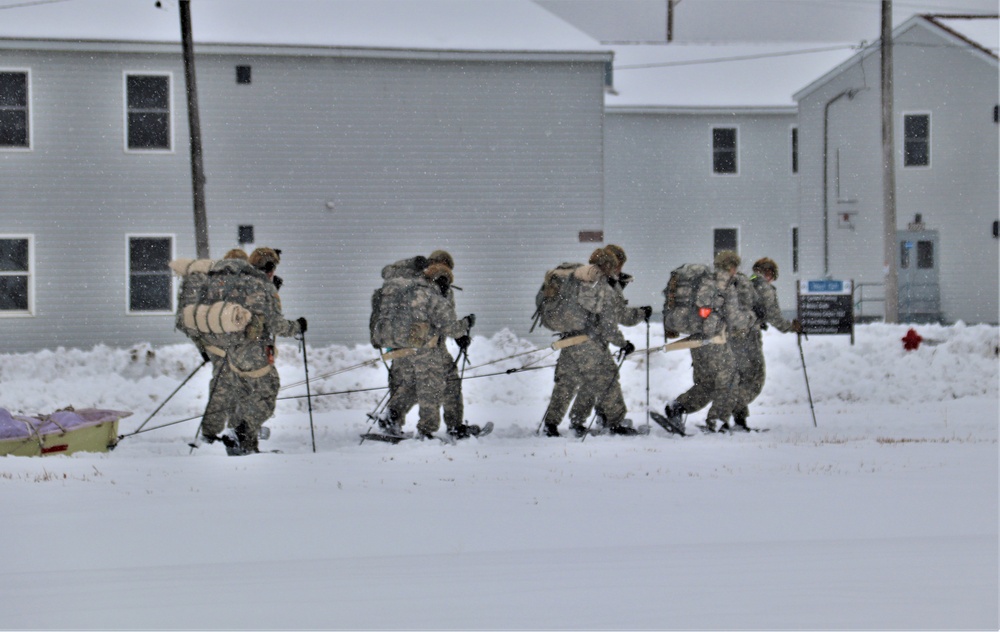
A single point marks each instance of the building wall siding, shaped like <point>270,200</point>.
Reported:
<point>498,162</point>
<point>664,202</point>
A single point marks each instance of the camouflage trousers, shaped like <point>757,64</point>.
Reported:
<point>428,379</point>
<point>748,353</point>
<point>715,381</point>
<point>240,402</point>
<point>587,376</point>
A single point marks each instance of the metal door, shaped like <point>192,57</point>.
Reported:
<point>919,290</point>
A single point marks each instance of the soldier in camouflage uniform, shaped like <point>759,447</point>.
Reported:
<point>244,387</point>
<point>624,315</point>
<point>586,373</point>
<point>716,380</point>
<point>426,376</point>
<point>748,348</point>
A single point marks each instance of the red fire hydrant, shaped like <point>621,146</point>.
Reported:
<point>912,340</point>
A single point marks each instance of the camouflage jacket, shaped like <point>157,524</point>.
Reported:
<point>439,311</point>
<point>605,304</point>
<point>738,294</point>
<point>766,308</point>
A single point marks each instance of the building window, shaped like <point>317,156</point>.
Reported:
<point>925,255</point>
<point>14,109</point>
<point>725,239</point>
<point>244,234</point>
<point>724,150</point>
<point>795,150</point>
<point>916,140</point>
<point>795,249</point>
<point>243,74</point>
<point>15,275</point>
<point>149,282</point>
<point>148,116</point>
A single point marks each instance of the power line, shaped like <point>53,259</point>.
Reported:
<point>715,60</point>
<point>20,5</point>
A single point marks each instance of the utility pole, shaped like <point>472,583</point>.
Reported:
<point>194,129</point>
<point>670,19</point>
<point>888,172</point>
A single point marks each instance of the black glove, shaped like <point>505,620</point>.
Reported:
<point>205,356</point>
<point>302,324</point>
<point>624,279</point>
<point>470,320</point>
<point>628,348</point>
<point>278,282</point>
<point>671,334</point>
<point>797,326</point>
<point>463,342</point>
<point>443,285</point>
<point>647,311</point>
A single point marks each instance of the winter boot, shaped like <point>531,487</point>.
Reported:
<point>710,425</point>
<point>463,431</point>
<point>623,430</point>
<point>551,430</point>
<point>245,442</point>
<point>389,423</point>
<point>579,429</point>
<point>740,423</point>
<point>675,414</point>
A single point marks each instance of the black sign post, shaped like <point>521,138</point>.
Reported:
<point>826,307</point>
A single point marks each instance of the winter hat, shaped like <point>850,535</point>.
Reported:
<point>436,271</point>
<point>727,259</point>
<point>237,253</point>
<point>604,261</point>
<point>766,265</point>
<point>618,252</point>
<point>442,256</point>
<point>266,259</point>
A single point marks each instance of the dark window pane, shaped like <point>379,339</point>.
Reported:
<point>147,254</point>
<point>14,128</point>
<point>148,130</point>
<point>724,239</point>
<point>925,255</point>
<point>795,249</point>
<point>13,89</point>
<point>724,150</point>
<point>916,140</point>
<point>148,93</point>
<point>13,255</point>
<point>795,151</point>
<point>14,293</point>
<point>243,74</point>
<point>904,254</point>
<point>149,293</point>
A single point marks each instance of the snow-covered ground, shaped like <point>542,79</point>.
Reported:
<point>882,515</point>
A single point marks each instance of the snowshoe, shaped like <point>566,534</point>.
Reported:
<point>672,427</point>
<point>551,430</point>
<point>464,431</point>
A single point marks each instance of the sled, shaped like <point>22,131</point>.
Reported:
<point>62,432</point>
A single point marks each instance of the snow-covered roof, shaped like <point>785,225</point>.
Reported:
<point>718,76</point>
<point>978,33</point>
<point>422,25</point>
<point>979,30</point>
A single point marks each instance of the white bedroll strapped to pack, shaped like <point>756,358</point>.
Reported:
<point>693,342</point>
<point>220,317</point>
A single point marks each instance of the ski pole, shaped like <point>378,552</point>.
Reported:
<point>153,414</point>
<point>647,371</point>
<point>305,364</point>
<point>806,375</point>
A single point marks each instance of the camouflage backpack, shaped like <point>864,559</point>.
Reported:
<point>692,302</point>
<point>397,320</point>
<point>557,305</point>
<point>219,315</point>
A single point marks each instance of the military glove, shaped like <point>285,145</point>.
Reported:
<point>419,263</point>
<point>797,326</point>
<point>278,282</point>
<point>205,356</point>
<point>470,321</point>
<point>302,324</point>
<point>647,311</point>
<point>671,334</point>
<point>463,342</point>
<point>443,285</point>
<point>628,348</point>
